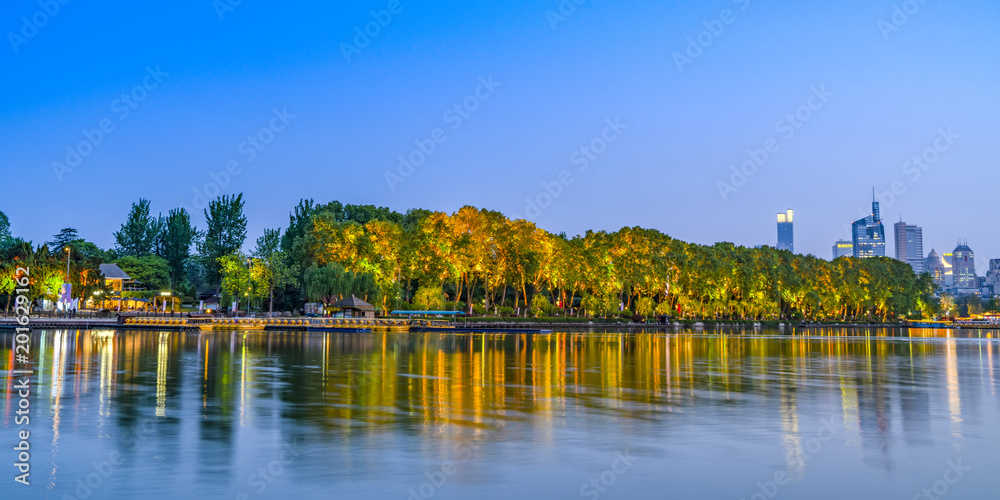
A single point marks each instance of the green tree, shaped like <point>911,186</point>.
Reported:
<point>138,235</point>
<point>327,284</point>
<point>176,237</point>
<point>429,298</point>
<point>150,270</point>
<point>948,305</point>
<point>62,239</point>
<point>274,264</point>
<point>243,280</point>
<point>645,307</point>
<point>5,236</point>
<point>227,230</point>
<point>540,306</point>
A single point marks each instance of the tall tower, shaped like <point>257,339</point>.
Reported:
<point>869,234</point>
<point>786,233</point>
<point>910,245</point>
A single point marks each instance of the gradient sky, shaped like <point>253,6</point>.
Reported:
<point>559,83</point>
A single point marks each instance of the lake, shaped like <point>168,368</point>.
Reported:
<point>826,413</point>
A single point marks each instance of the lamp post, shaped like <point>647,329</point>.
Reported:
<point>249,282</point>
<point>69,251</point>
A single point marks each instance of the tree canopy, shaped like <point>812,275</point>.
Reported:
<point>138,235</point>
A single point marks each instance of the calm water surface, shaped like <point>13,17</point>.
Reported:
<point>819,414</point>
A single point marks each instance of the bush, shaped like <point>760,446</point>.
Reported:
<point>506,311</point>
<point>540,306</point>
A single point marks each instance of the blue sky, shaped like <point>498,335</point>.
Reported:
<point>558,81</point>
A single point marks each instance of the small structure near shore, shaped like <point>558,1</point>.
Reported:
<point>353,307</point>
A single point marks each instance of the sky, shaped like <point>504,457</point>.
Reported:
<point>700,119</point>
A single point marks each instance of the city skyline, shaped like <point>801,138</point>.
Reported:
<point>210,87</point>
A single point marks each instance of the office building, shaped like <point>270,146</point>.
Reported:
<point>843,248</point>
<point>963,264</point>
<point>939,268</point>
<point>910,245</point>
<point>869,235</point>
<point>786,234</point>
<point>993,277</point>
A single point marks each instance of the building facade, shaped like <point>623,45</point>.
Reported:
<point>843,248</point>
<point>939,268</point>
<point>963,263</point>
<point>910,245</point>
<point>786,233</point>
<point>993,277</point>
<point>869,235</point>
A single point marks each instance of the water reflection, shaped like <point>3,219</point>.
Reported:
<point>400,400</point>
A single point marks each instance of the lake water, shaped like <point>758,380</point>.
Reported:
<point>600,415</point>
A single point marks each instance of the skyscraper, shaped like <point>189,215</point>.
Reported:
<point>910,245</point>
<point>869,235</point>
<point>963,263</point>
<point>786,235</point>
<point>843,248</point>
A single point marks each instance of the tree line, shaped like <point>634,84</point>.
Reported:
<point>482,262</point>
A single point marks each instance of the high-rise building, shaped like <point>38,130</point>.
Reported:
<point>786,235</point>
<point>939,267</point>
<point>910,245</point>
<point>843,248</point>
<point>993,277</point>
<point>869,235</point>
<point>963,264</point>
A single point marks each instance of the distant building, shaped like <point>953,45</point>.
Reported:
<point>786,234</point>
<point>963,263</point>
<point>939,268</point>
<point>992,280</point>
<point>910,245</point>
<point>869,235</point>
<point>843,248</point>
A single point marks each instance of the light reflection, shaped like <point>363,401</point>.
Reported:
<point>954,399</point>
<point>161,375</point>
<point>106,349</point>
<point>58,374</point>
<point>456,386</point>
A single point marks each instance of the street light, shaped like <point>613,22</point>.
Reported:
<point>249,282</point>
<point>69,251</point>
